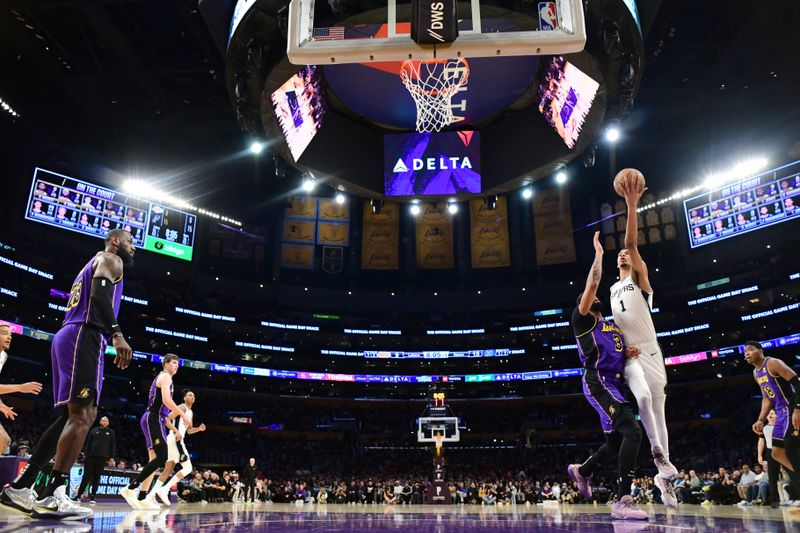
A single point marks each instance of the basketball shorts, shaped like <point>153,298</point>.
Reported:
<point>783,428</point>
<point>154,430</point>
<point>177,449</point>
<point>651,362</point>
<point>77,356</point>
<point>604,393</point>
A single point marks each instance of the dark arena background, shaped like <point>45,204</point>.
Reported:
<point>362,227</point>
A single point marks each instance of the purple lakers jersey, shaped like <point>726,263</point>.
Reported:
<point>600,344</point>
<point>79,306</point>
<point>155,405</point>
<point>775,388</point>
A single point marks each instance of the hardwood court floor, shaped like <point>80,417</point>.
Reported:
<point>407,519</point>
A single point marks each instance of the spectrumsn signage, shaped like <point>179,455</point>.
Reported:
<point>172,249</point>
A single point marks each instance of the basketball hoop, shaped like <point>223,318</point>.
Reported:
<point>432,84</point>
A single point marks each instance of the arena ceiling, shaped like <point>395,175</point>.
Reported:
<point>138,86</point>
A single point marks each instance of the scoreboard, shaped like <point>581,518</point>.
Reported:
<point>82,207</point>
<point>742,207</point>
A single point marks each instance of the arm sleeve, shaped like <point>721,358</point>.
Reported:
<point>102,295</point>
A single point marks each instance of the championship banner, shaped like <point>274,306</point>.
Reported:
<point>333,211</point>
<point>489,234</point>
<point>434,237</point>
<point>380,238</point>
<point>333,233</point>
<point>297,256</point>
<point>298,230</point>
<point>553,227</point>
<point>302,207</point>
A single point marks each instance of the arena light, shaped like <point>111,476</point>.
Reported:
<point>146,190</point>
<point>452,206</point>
<point>340,197</point>
<point>527,192</point>
<point>308,184</point>
<point>561,177</point>
<point>740,171</point>
<point>414,209</point>
<point>8,109</point>
<point>612,134</point>
<point>256,147</point>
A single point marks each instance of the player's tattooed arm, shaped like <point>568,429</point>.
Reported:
<point>593,280</point>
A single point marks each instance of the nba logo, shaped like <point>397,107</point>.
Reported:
<point>548,20</point>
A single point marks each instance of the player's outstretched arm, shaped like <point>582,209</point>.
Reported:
<point>632,195</point>
<point>31,387</point>
<point>593,280</point>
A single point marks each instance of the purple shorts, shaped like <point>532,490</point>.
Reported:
<point>154,430</point>
<point>604,393</point>
<point>783,426</point>
<point>77,356</point>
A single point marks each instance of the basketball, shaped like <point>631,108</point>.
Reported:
<point>626,175</point>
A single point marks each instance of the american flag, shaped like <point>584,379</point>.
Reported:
<point>334,33</point>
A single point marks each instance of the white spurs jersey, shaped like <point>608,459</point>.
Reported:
<point>631,308</point>
<point>181,425</point>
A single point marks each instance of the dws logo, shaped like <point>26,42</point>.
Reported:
<point>434,163</point>
<point>437,20</point>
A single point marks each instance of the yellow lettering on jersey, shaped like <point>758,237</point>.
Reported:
<point>75,295</point>
<point>610,327</point>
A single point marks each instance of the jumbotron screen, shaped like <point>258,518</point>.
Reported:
<point>742,207</point>
<point>565,97</point>
<point>75,205</point>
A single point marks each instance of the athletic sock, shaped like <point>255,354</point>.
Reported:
<point>28,476</point>
<point>56,479</point>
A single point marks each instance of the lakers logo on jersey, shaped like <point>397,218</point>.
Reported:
<point>75,295</point>
<point>612,409</point>
<point>84,393</point>
<point>157,442</point>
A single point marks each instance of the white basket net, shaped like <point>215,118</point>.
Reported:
<point>432,84</point>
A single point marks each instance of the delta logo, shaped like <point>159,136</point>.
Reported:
<point>433,163</point>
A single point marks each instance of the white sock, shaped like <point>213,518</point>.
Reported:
<point>634,375</point>
<point>157,484</point>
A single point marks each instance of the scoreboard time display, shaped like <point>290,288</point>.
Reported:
<point>742,207</point>
<point>75,205</point>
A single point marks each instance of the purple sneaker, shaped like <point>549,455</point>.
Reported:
<point>625,509</point>
<point>583,482</point>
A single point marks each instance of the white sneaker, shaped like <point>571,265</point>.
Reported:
<point>60,507</point>
<point>150,503</point>
<point>667,491</point>
<point>19,499</point>
<point>163,494</point>
<point>130,496</point>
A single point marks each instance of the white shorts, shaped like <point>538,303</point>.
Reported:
<point>651,363</point>
<point>174,450</point>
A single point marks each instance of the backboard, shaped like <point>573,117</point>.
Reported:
<point>384,34</point>
<point>429,427</point>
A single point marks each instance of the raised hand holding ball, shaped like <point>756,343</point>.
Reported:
<point>628,179</point>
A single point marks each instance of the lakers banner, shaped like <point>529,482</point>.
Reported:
<point>489,234</point>
<point>298,230</point>
<point>380,238</point>
<point>333,233</point>
<point>297,256</point>
<point>333,211</point>
<point>434,237</point>
<point>302,207</point>
<point>553,228</point>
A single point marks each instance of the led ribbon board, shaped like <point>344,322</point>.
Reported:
<point>68,203</point>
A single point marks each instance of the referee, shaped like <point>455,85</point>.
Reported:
<point>100,447</point>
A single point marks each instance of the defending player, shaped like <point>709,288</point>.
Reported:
<point>77,358</point>
<point>29,388</point>
<point>602,350</point>
<point>176,449</point>
<point>159,405</point>
<point>646,376</point>
<point>780,390</point>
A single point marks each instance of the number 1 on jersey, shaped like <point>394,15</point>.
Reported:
<point>622,304</point>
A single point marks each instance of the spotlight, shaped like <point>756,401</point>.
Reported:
<point>561,177</point>
<point>414,209</point>
<point>612,134</point>
<point>308,184</point>
<point>256,147</point>
<point>527,192</point>
<point>340,198</point>
<point>452,208</point>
